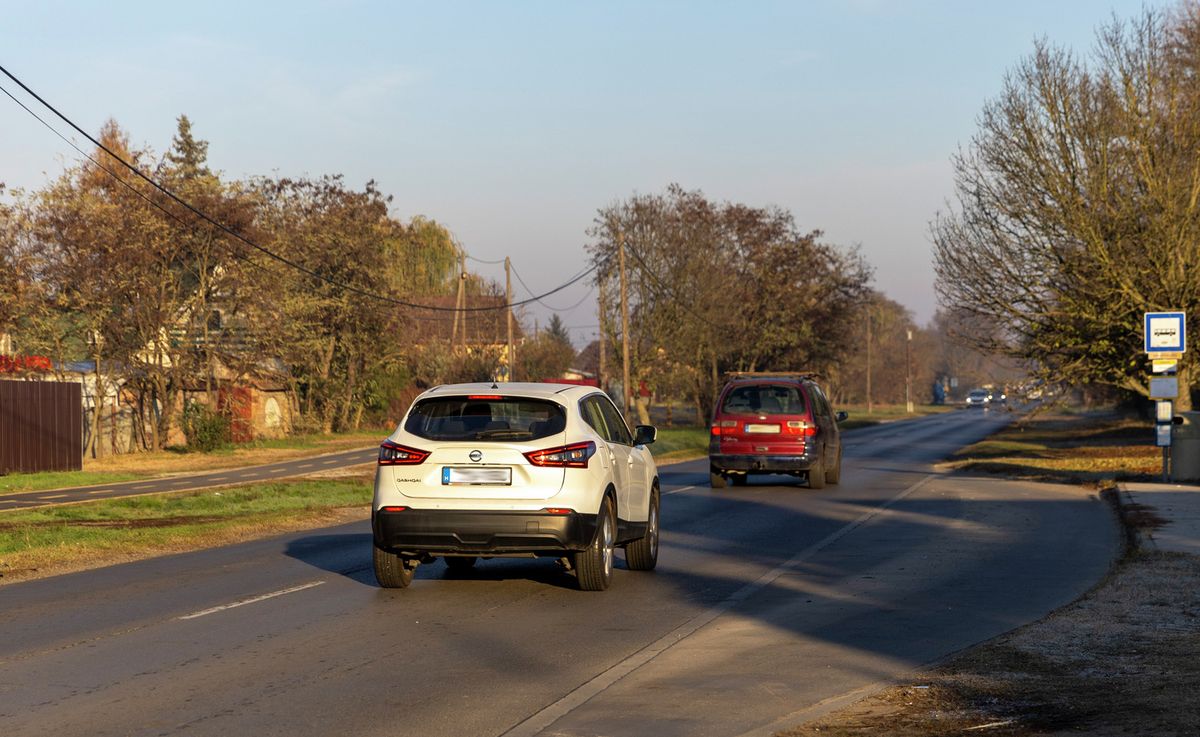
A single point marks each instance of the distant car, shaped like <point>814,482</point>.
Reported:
<point>774,424</point>
<point>977,398</point>
<point>515,470</point>
<point>998,396</point>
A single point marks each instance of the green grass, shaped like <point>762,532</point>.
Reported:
<point>59,537</point>
<point>680,442</point>
<point>61,479</point>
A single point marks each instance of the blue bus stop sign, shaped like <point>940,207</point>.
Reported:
<point>1166,332</point>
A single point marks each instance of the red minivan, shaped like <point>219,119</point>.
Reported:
<point>774,424</point>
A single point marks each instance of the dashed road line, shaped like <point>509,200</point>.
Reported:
<point>251,600</point>
<point>682,488</point>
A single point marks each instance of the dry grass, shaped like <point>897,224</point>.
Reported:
<point>1096,449</point>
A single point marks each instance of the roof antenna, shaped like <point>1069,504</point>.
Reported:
<point>494,382</point>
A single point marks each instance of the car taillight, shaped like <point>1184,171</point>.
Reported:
<point>724,427</point>
<point>800,427</point>
<point>575,455</point>
<point>393,509</point>
<point>391,454</point>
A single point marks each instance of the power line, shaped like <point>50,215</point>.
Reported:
<point>551,307</point>
<point>483,260</point>
<point>238,236</point>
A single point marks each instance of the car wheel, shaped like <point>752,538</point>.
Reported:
<point>834,475</point>
<point>459,564</point>
<point>393,571</point>
<point>739,479</point>
<point>594,565</point>
<point>716,480</point>
<point>642,554</point>
<point>816,474</point>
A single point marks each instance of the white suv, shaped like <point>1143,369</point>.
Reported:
<point>514,470</point>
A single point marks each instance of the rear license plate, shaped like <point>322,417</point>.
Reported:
<point>476,476</point>
<point>762,429</point>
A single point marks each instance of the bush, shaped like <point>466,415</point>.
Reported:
<point>205,429</point>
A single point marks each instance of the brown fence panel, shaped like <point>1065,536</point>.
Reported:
<point>41,426</point>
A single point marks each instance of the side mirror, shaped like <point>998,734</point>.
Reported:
<point>645,434</point>
<point>840,416</point>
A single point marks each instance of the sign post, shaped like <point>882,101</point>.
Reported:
<point>1166,342</point>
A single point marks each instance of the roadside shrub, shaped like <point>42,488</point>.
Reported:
<point>206,429</point>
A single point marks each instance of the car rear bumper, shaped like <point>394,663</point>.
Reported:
<point>440,531</point>
<point>761,463</point>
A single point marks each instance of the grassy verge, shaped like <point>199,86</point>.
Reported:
<point>678,443</point>
<point>1093,448</point>
<point>58,539</point>
<point>133,466</point>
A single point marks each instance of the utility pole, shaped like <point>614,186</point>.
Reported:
<point>624,323</point>
<point>603,339</point>
<point>869,407</point>
<point>512,351</point>
<point>908,373</point>
<point>458,301</point>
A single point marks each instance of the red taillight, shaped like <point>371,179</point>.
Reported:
<point>800,427</point>
<point>392,509</point>
<point>575,455</point>
<point>724,427</point>
<point>391,454</point>
<point>557,510</point>
<point>484,396</point>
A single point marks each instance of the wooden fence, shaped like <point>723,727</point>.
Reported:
<point>41,426</point>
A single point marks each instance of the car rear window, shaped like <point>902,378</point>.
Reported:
<point>490,418</point>
<point>763,399</point>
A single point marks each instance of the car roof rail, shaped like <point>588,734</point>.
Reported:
<point>732,375</point>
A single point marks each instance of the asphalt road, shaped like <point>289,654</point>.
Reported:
<point>768,600</point>
<point>224,477</point>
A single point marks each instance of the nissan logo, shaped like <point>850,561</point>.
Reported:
<point>476,456</point>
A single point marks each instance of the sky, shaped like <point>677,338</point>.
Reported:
<point>512,123</point>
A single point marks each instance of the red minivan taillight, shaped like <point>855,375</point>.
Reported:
<point>391,454</point>
<point>575,455</point>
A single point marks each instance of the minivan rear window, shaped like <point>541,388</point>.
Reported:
<point>492,418</point>
<point>764,399</point>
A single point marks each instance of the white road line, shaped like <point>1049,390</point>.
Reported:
<point>305,465</point>
<point>541,720</point>
<point>218,478</point>
<point>97,491</point>
<point>682,488</point>
<point>251,600</point>
<point>52,496</point>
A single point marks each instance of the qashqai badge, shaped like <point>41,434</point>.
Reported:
<point>476,456</point>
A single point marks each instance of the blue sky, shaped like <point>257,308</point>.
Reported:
<point>512,123</point>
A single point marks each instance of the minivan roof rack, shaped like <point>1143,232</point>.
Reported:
<point>730,375</point>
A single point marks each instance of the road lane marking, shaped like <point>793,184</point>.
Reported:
<point>682,488</point>
<point>251,600</point>
<point>52,496</point>
<point>305,465</point>
<point>541,720</point>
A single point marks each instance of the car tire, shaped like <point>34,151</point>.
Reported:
<point>816,474</point>
<point>834,475</point>
<point>594,564</point>
<point>460,563</point>
<point>642,554</point>
<point>393,571</point>
<point>716,480</point>
<point>739,479</point>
